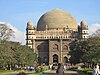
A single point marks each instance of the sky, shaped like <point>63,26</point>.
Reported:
<point>19,12</point>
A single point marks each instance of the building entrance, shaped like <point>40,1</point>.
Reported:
<point>55,58</point>
<point>65,60</point>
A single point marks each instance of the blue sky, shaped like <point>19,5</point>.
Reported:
<point>18,12</point>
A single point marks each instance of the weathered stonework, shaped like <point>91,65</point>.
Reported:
<point>55,31</point>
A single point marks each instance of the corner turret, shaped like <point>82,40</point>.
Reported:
<point>83,30</point>
<point>30,25</point>
<point>30,33</point>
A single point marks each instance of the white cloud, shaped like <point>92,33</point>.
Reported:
<point>93,28</point>
<point>19,35</point>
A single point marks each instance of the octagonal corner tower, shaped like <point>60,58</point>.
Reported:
<point>56,19</point>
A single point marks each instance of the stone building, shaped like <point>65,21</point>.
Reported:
<point>55,30</point>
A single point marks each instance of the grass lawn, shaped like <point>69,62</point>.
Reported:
<point>6,71</point>
<point>34,74</point>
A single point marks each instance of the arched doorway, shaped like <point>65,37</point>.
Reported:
<point>55,58</point>
<point>45,60</point>
<point>65,59</point>
<point>39,60</point>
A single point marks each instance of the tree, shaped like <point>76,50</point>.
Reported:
<point>93,53</point>
<point>13,53</point>
<point>77,50</point>
<point>94,48</point>
<point>6,54</point>
<point>96,34</point>
<point>6,32</point>
<point>87,51</point>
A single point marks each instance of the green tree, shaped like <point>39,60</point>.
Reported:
<point>78,48</point>
<point>93,54</point>
<point>13,53</point>
<point>6,54</point>
<point>87,51</point>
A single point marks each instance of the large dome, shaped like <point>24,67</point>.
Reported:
<point>56,19</point>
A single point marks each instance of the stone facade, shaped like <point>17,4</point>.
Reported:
<point>51,41</point>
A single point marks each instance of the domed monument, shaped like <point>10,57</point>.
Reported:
<point>55,30</point>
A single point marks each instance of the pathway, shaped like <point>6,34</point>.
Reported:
<point>53,72</point>
<point>65,73</point>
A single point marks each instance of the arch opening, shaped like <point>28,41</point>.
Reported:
<point>55,58</point>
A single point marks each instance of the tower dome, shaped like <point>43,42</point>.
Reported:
<point>84,24</point>
<point>56,19</point>
<point>30,25</point>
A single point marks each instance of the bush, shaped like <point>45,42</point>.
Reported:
<point>73,68</point>
<point>41,69</point>
<point>38,69</point>
<point>84,70</point>
<point>21,73</point>
<point>45,68</point>
<point>89,72</point>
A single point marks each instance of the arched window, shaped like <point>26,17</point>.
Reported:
<point>55,47</point>
<point>65,60</point>
<point>84,31</point>
<point>65,47</point>
<point>39,60</point>
<point>45,60</point>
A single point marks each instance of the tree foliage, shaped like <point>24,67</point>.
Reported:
<point>6,32</point>
<point>78,48</point>
<point>87,51</point>
<point>93,54</point>
<point>13,53</point>
<point>96,34</point>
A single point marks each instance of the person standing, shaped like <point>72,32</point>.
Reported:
<point>60,70</point>
<point>65,67</point>
<point>51,65</point>
<point>97,67</point>
<point>96,70</point>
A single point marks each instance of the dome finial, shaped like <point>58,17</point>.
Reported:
<point>30,23</point>
<point>84,24</point>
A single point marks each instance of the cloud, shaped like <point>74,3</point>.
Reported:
<point>19,35</point>
<point>93,28</point>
